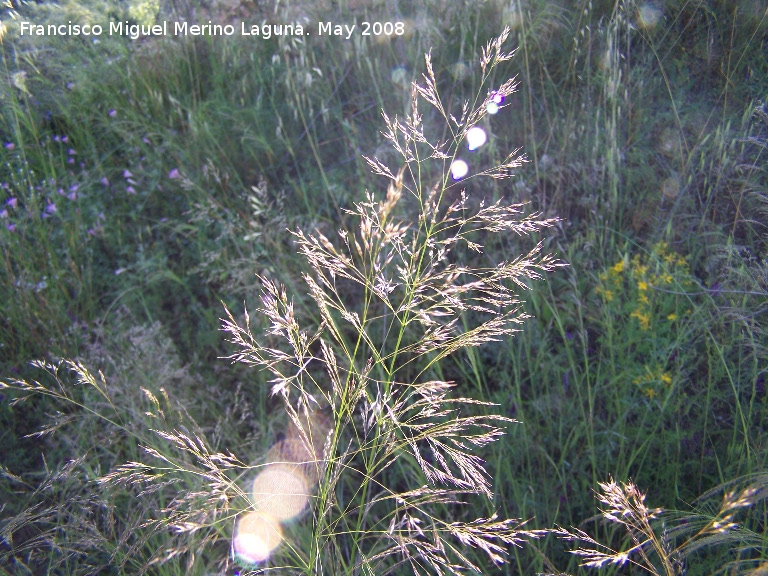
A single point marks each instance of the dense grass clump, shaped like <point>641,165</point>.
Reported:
<point>144,183</point>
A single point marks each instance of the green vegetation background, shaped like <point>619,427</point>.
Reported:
<point>143,183</point>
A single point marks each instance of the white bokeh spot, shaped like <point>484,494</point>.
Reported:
<point>459,169</point>
<point>476,137</point>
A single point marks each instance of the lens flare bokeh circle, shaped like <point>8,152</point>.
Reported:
<point>459,169</point>
<point>476,137</point>
<point>257,535</point>
<point>281,491</point>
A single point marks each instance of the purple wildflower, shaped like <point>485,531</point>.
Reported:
<point>130,190</point>
<point>50,208</point>
<point>71,152</point>
<point>113,113</point>
<point>174,174</point>
<point>71,160</point>
<point>56,138</point>
<point>12,202</point>
<point>3,213</point>
<point>127,174</point>
<point>64,139</point>
<point>11,227</point>
<point>60,191</point>
<point>104,181</point>
<point>72,195</point>
<point>9,145</point>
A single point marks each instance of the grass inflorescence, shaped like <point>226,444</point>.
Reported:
<point>396,297</point>
<point>143,183</point>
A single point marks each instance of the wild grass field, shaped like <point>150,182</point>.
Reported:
<point>254,318</point>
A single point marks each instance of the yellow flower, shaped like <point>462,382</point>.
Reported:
<point>672,317</point>
<point>642,286</point>
<point>643,378</point>
<point>618,268</point>
<point>643,299</point>
<point>666,378</point>
<point>644,319</point>
<point>606,294</point>
<point>650,392</point>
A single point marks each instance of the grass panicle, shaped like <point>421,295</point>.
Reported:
<point>392,303</point>
<point>142,182</point>
<point>665,543</point>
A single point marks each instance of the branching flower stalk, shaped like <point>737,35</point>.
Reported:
<point>178,486</point>
<point>663,542</point>
<point>395,298</point>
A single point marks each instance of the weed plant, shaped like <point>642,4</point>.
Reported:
<point>644,123</point>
